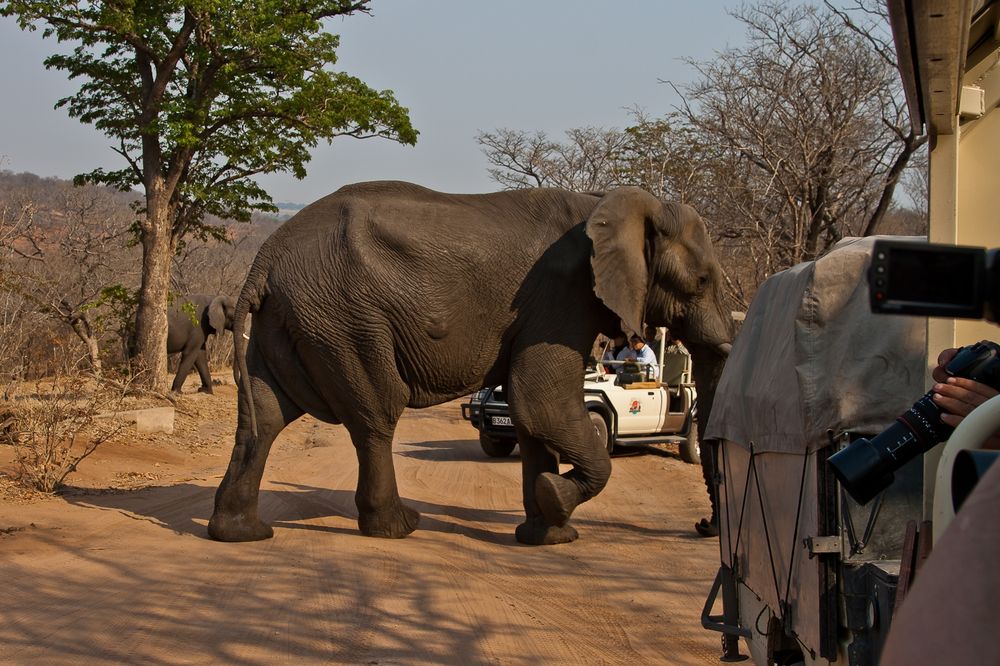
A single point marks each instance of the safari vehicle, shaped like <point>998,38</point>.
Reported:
<point>625,406</point>
<point>808,575</point>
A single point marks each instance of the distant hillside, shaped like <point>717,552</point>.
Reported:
<point>49,198</point>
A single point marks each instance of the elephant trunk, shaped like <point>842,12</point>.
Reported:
<point>707,364</point>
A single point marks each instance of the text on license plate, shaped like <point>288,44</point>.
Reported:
<point>500,421</point>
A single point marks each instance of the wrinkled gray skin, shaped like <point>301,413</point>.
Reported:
<point>387,295</point>
<point>185,337</point>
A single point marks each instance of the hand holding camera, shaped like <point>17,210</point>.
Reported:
<point>866,467</point>
<point>958,396</point>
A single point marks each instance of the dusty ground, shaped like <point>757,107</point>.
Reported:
<point>119,568</point>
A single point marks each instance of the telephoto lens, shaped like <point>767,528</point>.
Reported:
<point>865,467</point>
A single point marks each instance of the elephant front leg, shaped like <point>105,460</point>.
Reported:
<point>542,525</point>
<point>381,513</point>
<point>188,358</point>
<point>201,364</point>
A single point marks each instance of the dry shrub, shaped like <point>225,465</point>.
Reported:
<point>54,424</point>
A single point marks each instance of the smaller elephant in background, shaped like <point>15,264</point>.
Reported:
<point>190,320</point>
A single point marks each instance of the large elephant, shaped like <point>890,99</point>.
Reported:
<point>387,295</point>
<point>190,320</point>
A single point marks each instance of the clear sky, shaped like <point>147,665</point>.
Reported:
<point>460,66</point>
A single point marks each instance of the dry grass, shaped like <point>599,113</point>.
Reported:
<point>54,424</point>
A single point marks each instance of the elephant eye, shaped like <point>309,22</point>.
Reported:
<point>702,282</point>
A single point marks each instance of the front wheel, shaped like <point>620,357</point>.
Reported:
<point>690,449</point>
<point>496,448</point>
<point>601,430</point>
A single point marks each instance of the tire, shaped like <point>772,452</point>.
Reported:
<point>690,448</point>
<point>601,428</point>
<point>496,448</point>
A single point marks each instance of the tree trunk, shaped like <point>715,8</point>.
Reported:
<point>151,313</point>
<point>81,326</point>
<point>911,144</point>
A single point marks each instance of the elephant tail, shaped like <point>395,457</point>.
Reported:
<point>250,299</point>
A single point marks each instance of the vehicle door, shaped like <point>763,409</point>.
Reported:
<point>640,410</point>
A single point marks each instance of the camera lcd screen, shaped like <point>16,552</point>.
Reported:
<point>932,277</point>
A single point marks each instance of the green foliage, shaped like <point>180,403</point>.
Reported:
<point>191,310</point>
<point>120,303</point>
<point>201,96</point>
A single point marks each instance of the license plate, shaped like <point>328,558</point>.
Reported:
<point>501,421</point>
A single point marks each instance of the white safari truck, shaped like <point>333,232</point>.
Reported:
<point>626,406</point>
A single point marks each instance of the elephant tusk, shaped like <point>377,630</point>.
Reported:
<point>246,336</point>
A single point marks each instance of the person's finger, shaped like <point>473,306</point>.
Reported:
<point>943,359</point>
<point>946,355</point>
<point>992,442</point>
<point>952,405</point>
<point>973,387</point>
<point>956,399</point>
<point>951,419</point>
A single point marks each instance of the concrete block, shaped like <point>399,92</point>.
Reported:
<point>154,419</point>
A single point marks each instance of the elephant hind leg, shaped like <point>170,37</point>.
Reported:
<point>370,407</point>
<point>235,517</point>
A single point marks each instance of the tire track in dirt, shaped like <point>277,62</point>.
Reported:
<point>539,600</point>
<point>308,515</point>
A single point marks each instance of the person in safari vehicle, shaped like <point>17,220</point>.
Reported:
<point>642,354</point>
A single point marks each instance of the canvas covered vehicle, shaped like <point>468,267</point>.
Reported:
<point>807,575</point>
<point>626,407</point>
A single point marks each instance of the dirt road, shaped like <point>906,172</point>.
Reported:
<point>111,575</point>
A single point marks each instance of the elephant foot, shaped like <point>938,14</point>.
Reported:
<point>557,497</point>
<point>393,523</point>
<point>206,389</point>
<point>536,533</point>
<point>237,527</point>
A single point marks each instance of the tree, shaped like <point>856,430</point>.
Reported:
<point>585,163</point>
<point>69,244</point>
<point>72,250</point>
<point>200,97</point>
<point>812,128</point>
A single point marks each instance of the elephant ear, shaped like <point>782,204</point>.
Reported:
<point>217,313</point>
<point>618,228</point>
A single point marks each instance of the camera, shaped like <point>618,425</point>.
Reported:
<point>934,279</point>
<point>865,467</point>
